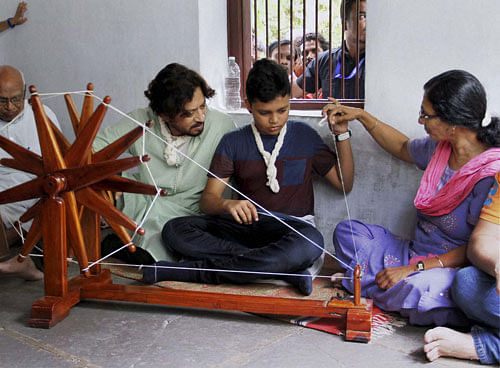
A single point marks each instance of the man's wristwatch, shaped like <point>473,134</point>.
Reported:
<point>420,266</point>
<point>343,136</point>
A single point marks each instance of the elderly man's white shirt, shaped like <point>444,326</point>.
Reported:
<point>23,132</point>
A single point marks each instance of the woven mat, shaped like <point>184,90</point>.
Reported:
<point>383,323</point>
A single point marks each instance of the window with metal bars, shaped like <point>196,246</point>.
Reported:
<point>331,61</point>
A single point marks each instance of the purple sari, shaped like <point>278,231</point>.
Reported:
<point>422,296</point>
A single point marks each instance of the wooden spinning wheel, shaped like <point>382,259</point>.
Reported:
<point>71,184</point>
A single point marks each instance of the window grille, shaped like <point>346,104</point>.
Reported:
<point>253,25</point>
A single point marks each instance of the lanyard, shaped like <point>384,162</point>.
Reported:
<point>338,75</point>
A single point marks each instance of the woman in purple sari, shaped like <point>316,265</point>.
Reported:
<point>460,157</point>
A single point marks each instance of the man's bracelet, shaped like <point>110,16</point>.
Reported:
<point>343,136</point>
<point>11,25</point>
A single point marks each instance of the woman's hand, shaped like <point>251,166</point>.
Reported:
<point>340,115</point>
<point>243,211</point>
<point>390,276</point>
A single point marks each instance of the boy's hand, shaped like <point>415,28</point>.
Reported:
<point>243,211</point>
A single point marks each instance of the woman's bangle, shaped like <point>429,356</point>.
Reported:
<point>440,262</point>
<point>373,127</point>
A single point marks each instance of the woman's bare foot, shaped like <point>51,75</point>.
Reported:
<point>26,270</point>
<point>442,341</point>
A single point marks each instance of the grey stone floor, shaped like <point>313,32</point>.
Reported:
<point>110,334</point>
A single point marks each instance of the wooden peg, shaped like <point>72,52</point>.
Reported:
<point>357,285</point>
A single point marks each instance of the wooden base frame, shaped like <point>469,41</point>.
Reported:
<point>72,184</point>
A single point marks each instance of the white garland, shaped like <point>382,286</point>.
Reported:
<point>270,158</point>
<point>174,142</point>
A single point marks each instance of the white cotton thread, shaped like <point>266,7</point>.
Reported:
<point>486,120</point>
<point>156,267</point>
<point>345,199</point>
<point>270,158</point>
<point>150,131</point>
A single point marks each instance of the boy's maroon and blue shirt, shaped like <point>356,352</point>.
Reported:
<point>303,155</point>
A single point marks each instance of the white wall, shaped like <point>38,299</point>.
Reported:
<point>120,45</point>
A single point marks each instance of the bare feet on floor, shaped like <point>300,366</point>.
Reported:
<point>443,341</point>
<point>26,270</point>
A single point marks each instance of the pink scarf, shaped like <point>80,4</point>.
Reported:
<point>459,186</point>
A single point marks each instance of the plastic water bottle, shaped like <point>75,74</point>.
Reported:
<point>232,97</point>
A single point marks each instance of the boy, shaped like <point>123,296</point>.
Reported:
<point>272,161</point>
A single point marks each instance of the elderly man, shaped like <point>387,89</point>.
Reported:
<point>17,123</point>
<point>350,69</point>
<point>178,107</point>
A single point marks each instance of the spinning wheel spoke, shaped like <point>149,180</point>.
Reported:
<point>74,229</point>
<point>14,164</point>
<point>89,198</point>
<point>29,190</point>
<point>80,177</point>
<point>51,154</point>
<point>80,150</point>
<point>115,149</point>
<point>122,233</point>
<point>87,108</point>
<point>23,156</point>
<point>32,212</point>
<point>73,113</point>
<point>120,184</point>
<point>33,236</point>
<point>60,138</point>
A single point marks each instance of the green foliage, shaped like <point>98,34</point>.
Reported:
<point>285,10</point>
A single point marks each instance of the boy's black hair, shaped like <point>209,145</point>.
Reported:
<point>267,80</point>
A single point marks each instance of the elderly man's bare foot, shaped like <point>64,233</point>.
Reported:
<point>442,341</point>
<point>26,270</point>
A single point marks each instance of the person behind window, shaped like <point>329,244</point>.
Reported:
<point>283,57</point>
<point>17,19</point>
<point>312,50</point>
<point>350,69</point>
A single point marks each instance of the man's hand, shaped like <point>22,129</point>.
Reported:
<point>19,17</point>
<point>243,211</point>
<point>390,276</point>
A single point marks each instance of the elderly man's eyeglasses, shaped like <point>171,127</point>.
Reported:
<point>16,100</point>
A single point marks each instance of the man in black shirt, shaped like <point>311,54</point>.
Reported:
<point>350,69</point>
